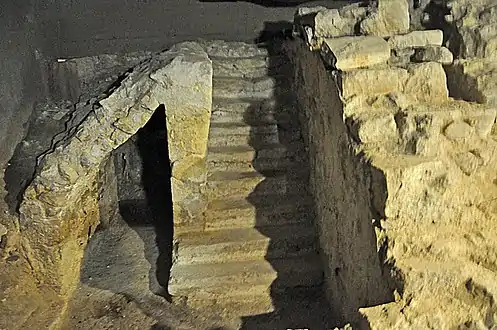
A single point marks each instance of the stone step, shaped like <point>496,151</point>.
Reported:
<point>242,277</point>
<point>237,49</point>
<point>231,184</point>
<point>253,112</point>
<point>259,165</point>
<point>235,244</point>
<point>239,134</point>
<point>252,67</point>
<point>258,88</point>
<point>259,212</point>
<point>304,307</point>
<point>249,154</point>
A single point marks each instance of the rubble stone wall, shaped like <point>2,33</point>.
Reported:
<point>411,134</point>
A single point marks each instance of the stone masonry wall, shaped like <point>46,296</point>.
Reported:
<point>429,158</point>
<point>60,208</point>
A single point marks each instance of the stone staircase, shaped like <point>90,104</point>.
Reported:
<point>259,242</point>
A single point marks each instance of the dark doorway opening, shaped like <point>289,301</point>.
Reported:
<point>131,250</point>
<point>145,198</point>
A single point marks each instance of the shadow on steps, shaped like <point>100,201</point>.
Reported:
<point>296,293</point>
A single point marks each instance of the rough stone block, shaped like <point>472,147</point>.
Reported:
<point>458,130</point>
<point>473,80</point>
<point>378,128</point>
<point>427,83</point>
<point>332,23</point>
<point>434,54</point>
<point>372,81</point>
<point>417,39</point>
<point>348,53</point>
<point>390,18</point>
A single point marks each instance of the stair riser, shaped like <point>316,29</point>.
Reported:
<point>233,306</point>
<point>252,137</point>
<point>240,89</point>
<point>242,251</point>
<point>235,93</point>
<point>217,131</point>
<point>251,217</point>
<point>242,140</point>
<point>271,154</point>
<point>254,67</point>
<point>243,281</point>
<point>253,187</point>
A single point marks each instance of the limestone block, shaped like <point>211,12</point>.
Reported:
<point>434,54</point>
<point>332,23</point>
<point>348,53</point>
<point>458,130</point>
<point>427,83</point>
<point>372,81</point>
<point>417,39</point>
<point>379,128</point>
<point>390,18</point>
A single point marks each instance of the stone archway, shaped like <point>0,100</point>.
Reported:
<point>60,211</point>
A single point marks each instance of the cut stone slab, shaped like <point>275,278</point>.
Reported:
<point>434,54</point>
<point>417,39</point>
<point>390,18</point>
<point>348,53</point>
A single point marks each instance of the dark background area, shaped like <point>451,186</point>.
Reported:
<point>35,30</point>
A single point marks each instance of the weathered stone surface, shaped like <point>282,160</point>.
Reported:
<point>417,39</point>
<point>377,128</point>
<point>332,23</point>
<point>60,208</point>
<point>458,130</point>
<point>348,53</point>
<point>474,28</point>
<point>427,83</point>
<point>372,81</point>
<point>431,185</point>
<point>473,80</point>
<point>390,18</point>
<point>333,161</point>
<point>434,54</point>
<point>424,82</point>
<point>401,57</point>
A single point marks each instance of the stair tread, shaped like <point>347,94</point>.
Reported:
<point>241,235</point>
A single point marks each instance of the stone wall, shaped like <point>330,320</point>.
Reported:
<point>60,208</point>
<point>392,153</point>
<point>341,183</point>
